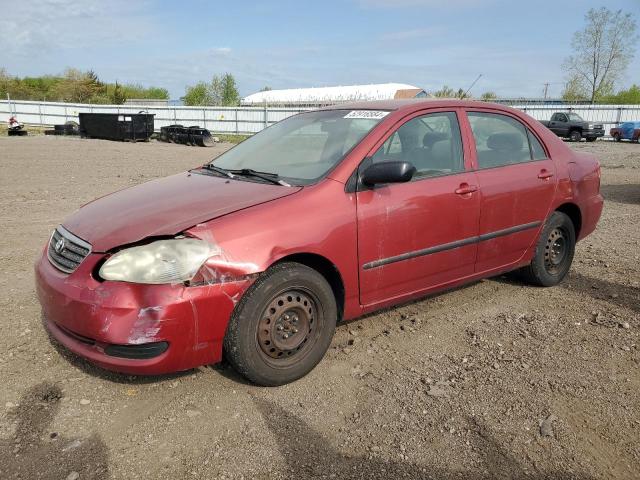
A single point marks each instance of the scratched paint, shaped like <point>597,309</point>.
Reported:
<point>146,326</point>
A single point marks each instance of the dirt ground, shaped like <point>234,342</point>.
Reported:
<point>493,380</point>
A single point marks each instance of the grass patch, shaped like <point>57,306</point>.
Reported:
<point>230,138</point>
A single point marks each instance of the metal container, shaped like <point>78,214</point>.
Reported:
<point>112,126</point>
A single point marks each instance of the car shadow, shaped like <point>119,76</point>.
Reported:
<point>426,298</point>
<point>308,454</point>
<point>614,293</point>
<point>34,451</point>
<point>623,193</point>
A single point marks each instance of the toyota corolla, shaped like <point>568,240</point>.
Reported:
<point>320,218</point>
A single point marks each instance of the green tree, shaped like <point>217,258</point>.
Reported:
<point>73,86</point>
<point>488,96</point>
<point>631,96</point>
<point>575,90</point>
<point>230,95</point>
<point>197,94</point>
<point>601,52</point>
<point>117,95</point>
<point>216,90</point>
<point>445,92</point>
<point>220,91</point>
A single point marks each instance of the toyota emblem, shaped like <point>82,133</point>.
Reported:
<point>59,246</point>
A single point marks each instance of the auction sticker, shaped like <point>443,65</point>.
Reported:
<point>372,114</point>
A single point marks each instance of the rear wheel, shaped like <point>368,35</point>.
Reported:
<point>554,252</point>
<point>283,325</point>
<point>575,136</point>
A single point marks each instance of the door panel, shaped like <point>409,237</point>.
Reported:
<point>514,200</point>
<point>406,225</point>
<point>416,235</point>
<point>517,183</point>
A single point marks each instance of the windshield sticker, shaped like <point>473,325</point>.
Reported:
<point>372,114</point>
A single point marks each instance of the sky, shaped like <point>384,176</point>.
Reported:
<point>517,46</point>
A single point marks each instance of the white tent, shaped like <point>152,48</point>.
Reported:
<point>330,95</point>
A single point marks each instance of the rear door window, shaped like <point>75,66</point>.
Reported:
<point>502,140</point>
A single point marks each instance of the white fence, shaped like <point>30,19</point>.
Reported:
<point>216,119</point>
<point>253,119</point>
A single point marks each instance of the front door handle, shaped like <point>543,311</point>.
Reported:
<point>544,174</point>
<point>465,188</point>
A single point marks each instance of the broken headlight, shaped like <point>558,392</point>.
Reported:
<point>159,262</point>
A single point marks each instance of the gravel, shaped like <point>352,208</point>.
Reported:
<point>494,380</point>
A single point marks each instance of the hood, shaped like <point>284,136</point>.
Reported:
<point>165,206</point>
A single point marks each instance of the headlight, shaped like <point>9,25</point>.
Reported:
<point>590,126</point>
<point>163,261</point>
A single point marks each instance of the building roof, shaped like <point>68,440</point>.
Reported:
<point>414,104</point>
<point>383,91</point>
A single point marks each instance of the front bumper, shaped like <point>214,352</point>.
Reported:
<point>593,132</point>
<point>90,317</point>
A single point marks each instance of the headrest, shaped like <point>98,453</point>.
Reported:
<point>432,137</point>
<point>511,142</point>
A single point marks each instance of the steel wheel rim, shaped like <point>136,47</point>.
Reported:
<point>556,250</point>
<point>288,327</point>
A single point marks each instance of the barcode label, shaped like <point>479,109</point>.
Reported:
<point>372,114</point>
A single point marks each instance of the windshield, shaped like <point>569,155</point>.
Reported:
<point>302,148</point>
<point>574,117</point>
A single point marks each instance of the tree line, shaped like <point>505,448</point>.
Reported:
<point>221,90</point>
<point>74,86</point>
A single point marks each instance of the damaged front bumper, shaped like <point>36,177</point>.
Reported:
<point>134,328</point>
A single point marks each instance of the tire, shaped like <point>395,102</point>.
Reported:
<point>616,137</point>
<point>575,136</point>
<point>592,139</point>
<point>554,252</point>
<point>283,325</point>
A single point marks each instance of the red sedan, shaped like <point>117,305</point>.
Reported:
<point>323,217</point>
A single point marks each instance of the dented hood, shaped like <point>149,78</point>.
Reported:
<point>165,206</point>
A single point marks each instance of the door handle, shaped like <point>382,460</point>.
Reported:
<point>544,174</point>
<point>465,188</point>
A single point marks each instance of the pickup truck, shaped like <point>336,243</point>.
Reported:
<point>572,126</point>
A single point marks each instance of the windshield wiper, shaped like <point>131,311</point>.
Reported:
<point>222,171</point>
<point>269,177</point>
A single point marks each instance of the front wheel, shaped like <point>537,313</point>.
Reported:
<point>554,252</point>
<point>616,137</point>
<point>283,325</point>
<point>575,136</point>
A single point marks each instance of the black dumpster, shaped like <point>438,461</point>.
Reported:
<point>114,126</point>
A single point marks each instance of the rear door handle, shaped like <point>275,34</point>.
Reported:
<point>544,174</point>
<point>465,188</point>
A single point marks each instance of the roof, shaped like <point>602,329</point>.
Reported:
<point>414,104</point>
<point>381,91</point>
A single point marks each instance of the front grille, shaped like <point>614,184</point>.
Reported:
<point>66,251</point>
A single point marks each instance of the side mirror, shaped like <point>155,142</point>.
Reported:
<point>388,172</point>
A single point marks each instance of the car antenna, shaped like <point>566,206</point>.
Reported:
<point>470,87</point>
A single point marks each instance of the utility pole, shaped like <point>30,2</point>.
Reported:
<point>546,89</point>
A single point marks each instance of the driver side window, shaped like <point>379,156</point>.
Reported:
<point>431,143</point>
